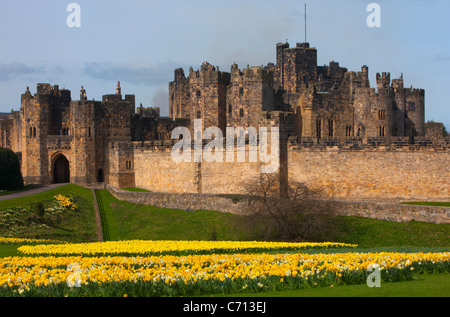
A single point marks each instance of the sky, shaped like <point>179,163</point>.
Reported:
<point>141,42</point>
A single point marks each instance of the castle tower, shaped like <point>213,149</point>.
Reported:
<point>297,66</point>
<point>382,111</point>
<point>179,96</point>
<point>35,125</point>
<point>414,112</point>
<point>208,96</point>
<point>250,92</point>
<point>83,141</point>
<point>398,111</point>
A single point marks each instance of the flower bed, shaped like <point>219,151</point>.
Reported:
<point>147,247</point>
<point>203,274</point>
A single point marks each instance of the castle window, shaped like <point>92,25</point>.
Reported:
<point>319,127</point>
<point>381,114</point>
<point>330,127</point>
<point>381,131</point>
<point>34,131</point>
<point>199,114</point>
<point>199,93</point>
<point>241,91</point>
<point>241,113</point>
<point>230,110</point>
<point>412,106</point>
<point>348,130</point>
<point>89,132</point>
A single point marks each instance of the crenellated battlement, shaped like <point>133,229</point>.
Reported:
<point>208,74</point>
<point>370,144</point>
<point>251,74</point>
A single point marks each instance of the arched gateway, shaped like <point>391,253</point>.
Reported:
<point>61,169</point>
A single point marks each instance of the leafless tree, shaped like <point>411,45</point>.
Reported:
<point>288,211</point>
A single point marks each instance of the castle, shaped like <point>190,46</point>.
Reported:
<point>325,101</point>
<point>318,108</point>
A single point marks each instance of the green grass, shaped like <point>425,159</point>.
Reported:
<point>135,221</point>
<point>378,233</point>
<point>72,226</point>
<point>134,189</point>
<point>9,250</point>
<point>427,203</point>
<point>31,199</point>
<point>426,285</point>
<point>8,192</point>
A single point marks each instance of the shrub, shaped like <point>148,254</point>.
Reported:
<point>10,175</point>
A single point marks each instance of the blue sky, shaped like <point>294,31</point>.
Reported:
<point>140,43</point>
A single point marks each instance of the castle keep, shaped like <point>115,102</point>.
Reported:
<point>325,101</point>
<point>336,132</point>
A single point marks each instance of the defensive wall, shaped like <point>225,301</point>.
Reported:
<point>367,178</point>
<point>343,168</point>
<point>191,202</point>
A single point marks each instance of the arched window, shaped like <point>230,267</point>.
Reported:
<point>319,127</point>
<point>330,127</point>
<point>348,130</point>
<point>199,114</point>
<point>241,113</point>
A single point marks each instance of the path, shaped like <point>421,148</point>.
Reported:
<point>32,191</point>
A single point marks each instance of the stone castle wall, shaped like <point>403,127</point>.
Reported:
<point>193,202</point>
<point>373,171</point>
<point>348,170</point>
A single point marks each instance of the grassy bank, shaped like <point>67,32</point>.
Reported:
<point>21,217</point>
<point>128,221</point>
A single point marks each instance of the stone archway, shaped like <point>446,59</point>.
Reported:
<point>61,169</point>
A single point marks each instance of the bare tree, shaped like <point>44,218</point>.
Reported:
<point>293,212</point>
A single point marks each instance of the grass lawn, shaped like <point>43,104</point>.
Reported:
<point>128,221</point>
<point>73,226</point>
<point>378,233</point>
<point>31,199</point>
<point>425,285</point>
<point>426,203</point>
<point>7,192</point>
<point>135,221</point>
<point>134,189</point>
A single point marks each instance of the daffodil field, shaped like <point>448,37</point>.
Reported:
<point>184,268</point>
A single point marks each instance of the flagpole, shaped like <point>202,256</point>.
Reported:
<point>305,22</point>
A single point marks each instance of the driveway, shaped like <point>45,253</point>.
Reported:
<point>32,191</point>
